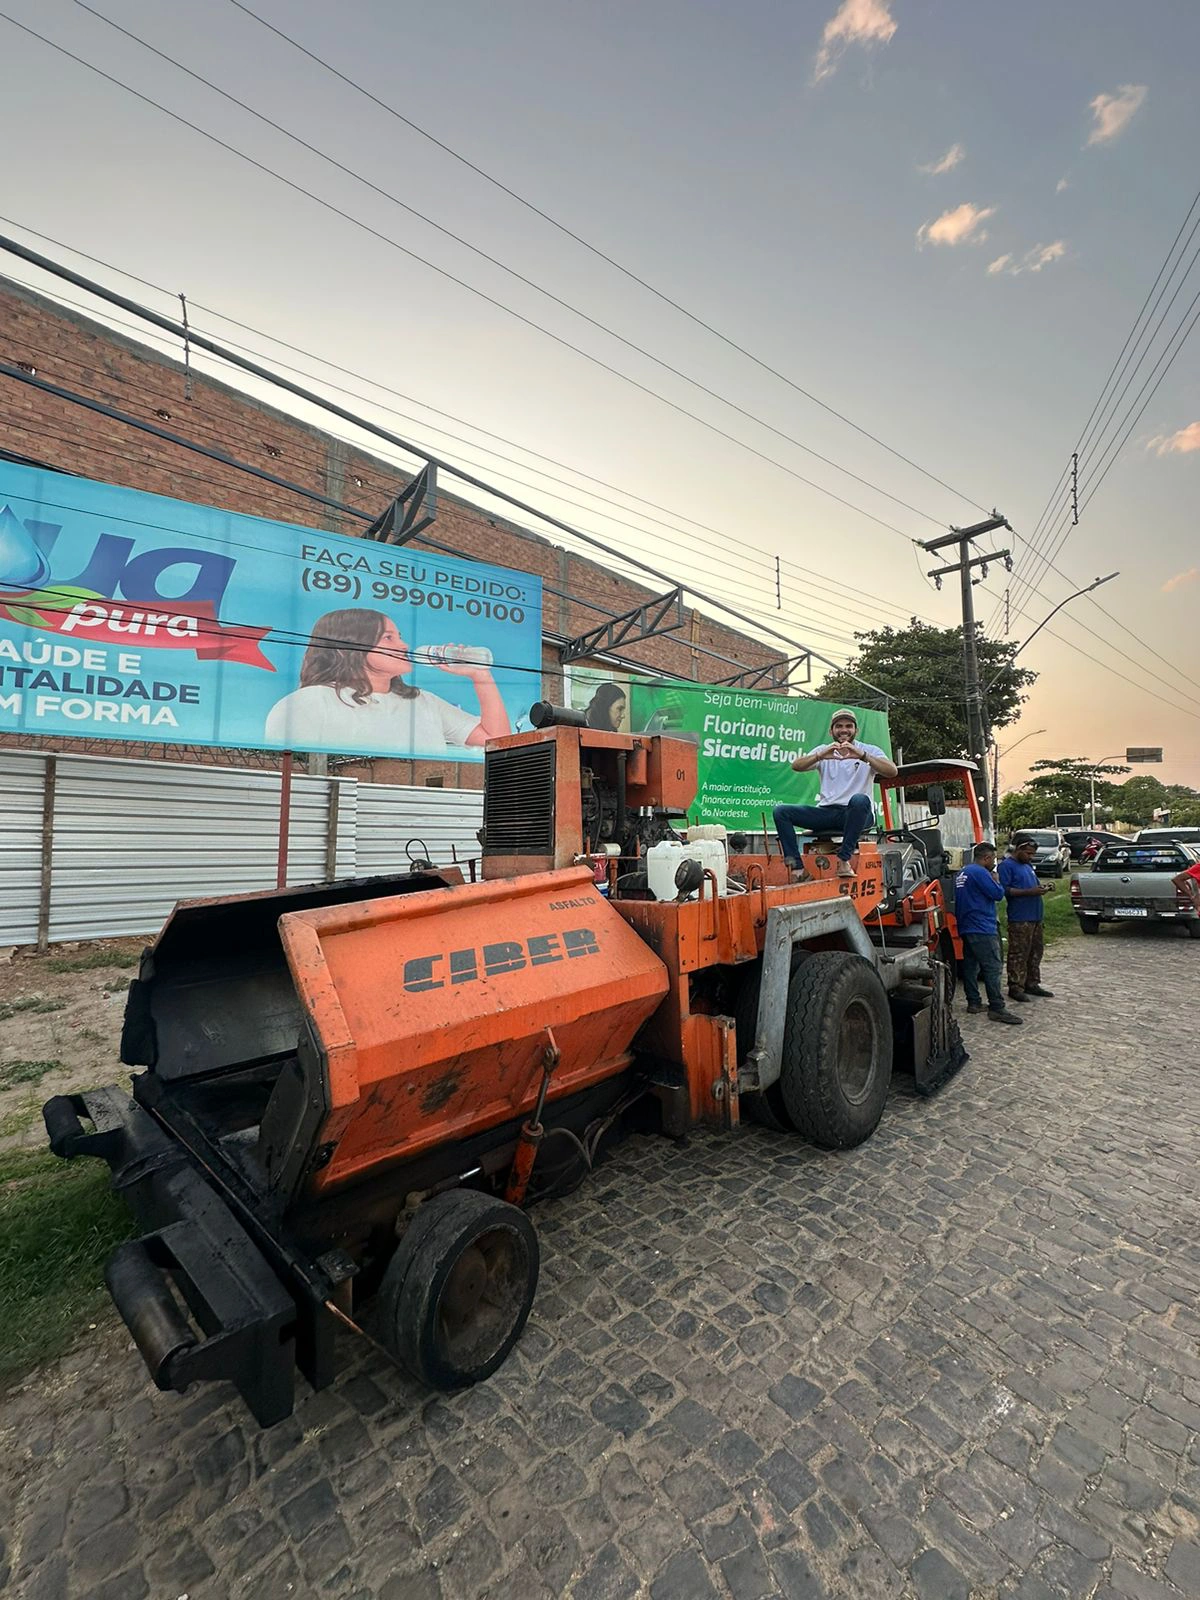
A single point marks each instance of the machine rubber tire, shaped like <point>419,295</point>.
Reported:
<point>457,1292</point>
<point>1088,925</point>
<point>837,1050</point>
<point>1193,929</point>
<point>766,1108</point>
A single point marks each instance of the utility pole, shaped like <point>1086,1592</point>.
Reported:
<point>978,734</point>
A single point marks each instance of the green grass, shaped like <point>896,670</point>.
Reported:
<point>1061,921</point>
<point>90,959</point>
<point>28,1002</point>
<point>59,1221</point>
<point>24,1117</point>
<point>14,1072</point>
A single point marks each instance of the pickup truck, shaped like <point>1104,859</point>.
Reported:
<point>1133,883</point>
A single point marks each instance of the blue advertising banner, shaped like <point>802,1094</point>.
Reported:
<point>126,615</point>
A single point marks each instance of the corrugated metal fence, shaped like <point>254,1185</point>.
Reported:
<point>91,847</point>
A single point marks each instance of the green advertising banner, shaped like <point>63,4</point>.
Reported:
<point>747,742</point>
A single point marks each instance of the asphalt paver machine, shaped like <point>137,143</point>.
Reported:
<point>349,1093</point>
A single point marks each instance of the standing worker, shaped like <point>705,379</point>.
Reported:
<point>1188,882</point>
<point>1026,939</point>
<point>977,893</point>
<point>844,805</point>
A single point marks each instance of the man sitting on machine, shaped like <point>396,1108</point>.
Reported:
<point>844,804</point>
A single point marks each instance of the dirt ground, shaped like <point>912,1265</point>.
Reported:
<point>60,1026</point>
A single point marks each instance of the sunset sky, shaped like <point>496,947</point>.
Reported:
<point>940,220</point>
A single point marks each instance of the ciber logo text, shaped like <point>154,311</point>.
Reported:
<point>510,955</point>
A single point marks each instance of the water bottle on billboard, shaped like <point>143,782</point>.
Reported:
<point>458,655</point>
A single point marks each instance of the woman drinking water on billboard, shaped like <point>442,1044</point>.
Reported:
<point>353,696</point>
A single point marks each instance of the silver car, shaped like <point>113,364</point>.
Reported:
<point>1053,852</point>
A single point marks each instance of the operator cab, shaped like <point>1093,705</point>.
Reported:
<point>915,824</point>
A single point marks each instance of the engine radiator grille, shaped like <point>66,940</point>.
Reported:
<point>518,801</point>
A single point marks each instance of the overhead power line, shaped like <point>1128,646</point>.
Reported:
<point>843,595</point>
<point>395,244</point>
<point>259,333</point>
<point>595,250</point>
<point>1132,416</point>
<point>202,342</point>
<point>1119,379</point>
<point>1096,661</point>
<point>745,553</point>
<point>833,609</point>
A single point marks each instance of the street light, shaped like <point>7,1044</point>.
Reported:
<point>1095,584</point>
<point>1096,765</point>
<point>996,754</point>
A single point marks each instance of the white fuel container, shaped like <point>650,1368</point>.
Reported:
<point>663,860</point>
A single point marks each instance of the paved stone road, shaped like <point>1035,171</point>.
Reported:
<point>961,1361</point>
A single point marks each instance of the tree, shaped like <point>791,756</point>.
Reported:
<point>1061,785</point>
<point>1139,798</point>
<point>1024,809</point>
<point>920,669</point>
<point>1068,782</point>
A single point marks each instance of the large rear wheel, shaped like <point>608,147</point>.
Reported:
<point>459,1288</point>
<point>837,1050</point>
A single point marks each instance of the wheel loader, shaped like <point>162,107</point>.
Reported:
<point>351,1092</point>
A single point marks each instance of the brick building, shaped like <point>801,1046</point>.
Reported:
<point>92,360</point>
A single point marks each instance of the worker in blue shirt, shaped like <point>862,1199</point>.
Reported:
<point>1026,942</point>
<point>977,893</point>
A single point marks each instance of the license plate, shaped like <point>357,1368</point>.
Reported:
<point>1130,911</point>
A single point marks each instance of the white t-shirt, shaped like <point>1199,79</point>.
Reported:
<point>319,718</point>
<point>842,780</point>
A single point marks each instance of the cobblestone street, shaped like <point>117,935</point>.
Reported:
<point>961,1361</point>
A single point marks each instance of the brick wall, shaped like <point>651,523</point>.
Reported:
<point>76,353</point>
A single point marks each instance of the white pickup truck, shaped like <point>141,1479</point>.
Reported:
<point>1134,883</point>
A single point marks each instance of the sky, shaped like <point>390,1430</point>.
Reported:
<point>939,220</point>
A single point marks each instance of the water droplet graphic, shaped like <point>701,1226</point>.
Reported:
<point>23,564</point>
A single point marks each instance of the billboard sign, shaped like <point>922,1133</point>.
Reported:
<point>747,741</point>
<point>126,615</point>
<point>602,695</point>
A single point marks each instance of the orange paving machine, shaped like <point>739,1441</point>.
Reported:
<point>351,1091</point>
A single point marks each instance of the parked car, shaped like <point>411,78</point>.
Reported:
<point>1133,882</point>
<point>1166,835</point>
<point>1053,855</point>
<point>1077,839</point>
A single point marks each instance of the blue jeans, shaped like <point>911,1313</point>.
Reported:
<point>851,821</point>
<point>981,954</point>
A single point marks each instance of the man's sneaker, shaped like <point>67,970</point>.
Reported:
<point>1036,988</point>
<point>845,870</point>
<point>973,1011</point>
<point>1018,994</point>
<point>1005,1016</point>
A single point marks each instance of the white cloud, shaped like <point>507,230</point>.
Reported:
<point>1032,261</point>
<point>864,22</point>
<point>1112,113</point>
<point>1062,184</point>
<point>1042,255</point>
<point>1181,443</point>
<point>946,163</point>
<point>962,225</point>
<point>1181,579</point>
